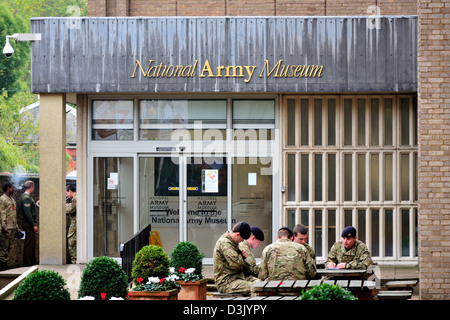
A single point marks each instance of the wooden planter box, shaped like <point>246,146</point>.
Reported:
<point>193,290</point>
<point>154,295</point>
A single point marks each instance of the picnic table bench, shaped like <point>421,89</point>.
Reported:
<point>362,289</point>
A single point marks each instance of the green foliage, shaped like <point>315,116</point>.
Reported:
<point>326,291</point>
<point>150,261</point>
<point>42,285</point>
<point>187,255</point>
<point>158,285</point>
<point>103,275</point>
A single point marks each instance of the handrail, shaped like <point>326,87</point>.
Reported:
<point>132,246</point>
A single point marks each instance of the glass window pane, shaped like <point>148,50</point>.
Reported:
<point>404,122</point>
<point>304,177</point>
<point>375,176</point>
<point>375,123</point>
<point>304,123</point>
<point>112,120</point>
<point>331,177</point>
<point>252,198</point>
<point>388,177</point>
<point>348,115</point>
<point>362,225</point>
<point>317,122</point>
<point>331,122</point>
<point>170,119</point>
<point>361,122</point>
<point>318,232</point>
<point>254,112</point>
<point>388,233</point>
<point>318,177</point>
<point>348,182</point>
<point>304,219</point>
<point>405,233</point>
<point>348,218</point>
<point>404,176</point>
<point>291,218</point>
<point>388,122</point>
<point>361,177</point>
<point>375,250</point>
<point>113,204</point>
<point>291,128</point>
<point>291,177</point>
<point>331,228</point>
<point>159,198</point>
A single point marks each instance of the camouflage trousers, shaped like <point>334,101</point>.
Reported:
<point>238,285</point>
<point>72,245</point>
<point>6,242</point>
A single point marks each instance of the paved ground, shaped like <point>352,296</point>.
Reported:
<point>72,274</point>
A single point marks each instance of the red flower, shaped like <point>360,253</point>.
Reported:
<point>281,283</point>
<point>139,280</point>
<point>103,295</point>
<point>162,280</point>
<point>182,270</point>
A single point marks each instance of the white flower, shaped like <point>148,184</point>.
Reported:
<point>190,270</point>
<point>116,298</point>
<point>153,280</point>
<point>172,277</point>
<point>87,298</point>
<point>172,270</point>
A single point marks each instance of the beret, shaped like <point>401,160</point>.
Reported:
<point>291,234</point>
<point>244,230</point>
<point>258,233</point>
<point>348,232</point>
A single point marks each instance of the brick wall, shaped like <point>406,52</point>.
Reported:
<point>101,8</point>
<point>434,147</point>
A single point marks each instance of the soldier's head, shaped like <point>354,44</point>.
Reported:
<point>256,237</point>
<point>8,188</point>
<point>70,191</point>
<point>285,233</point>
<point>300,234</point>
<point>348,237</point>
<point>28,186</point>
<point>240,232</point>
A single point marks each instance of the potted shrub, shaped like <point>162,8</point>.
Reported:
<point>326,291</point>
<point>42,285</point>
<point>150,273</point>
<point>186,263</point>
<point>103,278</point>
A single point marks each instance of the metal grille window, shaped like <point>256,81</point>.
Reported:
<point>351,160</point>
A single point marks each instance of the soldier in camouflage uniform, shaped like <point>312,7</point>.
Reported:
<point>349,253</point>
<point>301,236</point>
<point>250,266</point>
<point>28,209</point>
<point>228,261</point>
<point>8,223</point>
<point>286,260</point>
<point>71,212</point>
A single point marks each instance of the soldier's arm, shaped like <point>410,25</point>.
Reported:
<point>2,214</point>
<point>263,271</point>
<point>362,261</point>
<point>27,211</point>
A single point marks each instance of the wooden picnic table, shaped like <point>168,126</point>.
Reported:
<point>343,273</point>
<point>362,289</point>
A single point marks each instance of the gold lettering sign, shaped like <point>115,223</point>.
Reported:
<point>278,70</point>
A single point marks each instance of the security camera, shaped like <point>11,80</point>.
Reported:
<point>8,50</point>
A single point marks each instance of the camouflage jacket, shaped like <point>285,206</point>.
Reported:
<point>7,212</point>
<point>250,266</point>
<point>28,209</point>
<point>286,260</point>
<point>228,261</point>
<point>357,257</point>
<point>71,212</point>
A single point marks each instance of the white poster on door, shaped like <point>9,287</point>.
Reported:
<point>210,180</point>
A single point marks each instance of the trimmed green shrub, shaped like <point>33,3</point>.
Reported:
<point>187,255</point>
<point>42,285</point>
<point>103,275</point>
<point>150,261</point>
<point>326,291</point>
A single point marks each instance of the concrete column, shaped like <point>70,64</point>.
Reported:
<point>52,179</point>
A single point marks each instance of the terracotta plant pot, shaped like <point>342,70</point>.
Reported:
<point>193,290</point>
<point>154,295</point>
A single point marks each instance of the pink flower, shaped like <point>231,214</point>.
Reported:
<point>182,270</point>
<point>103,295</point>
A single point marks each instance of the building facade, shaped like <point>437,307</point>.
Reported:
<point>193,115</point>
